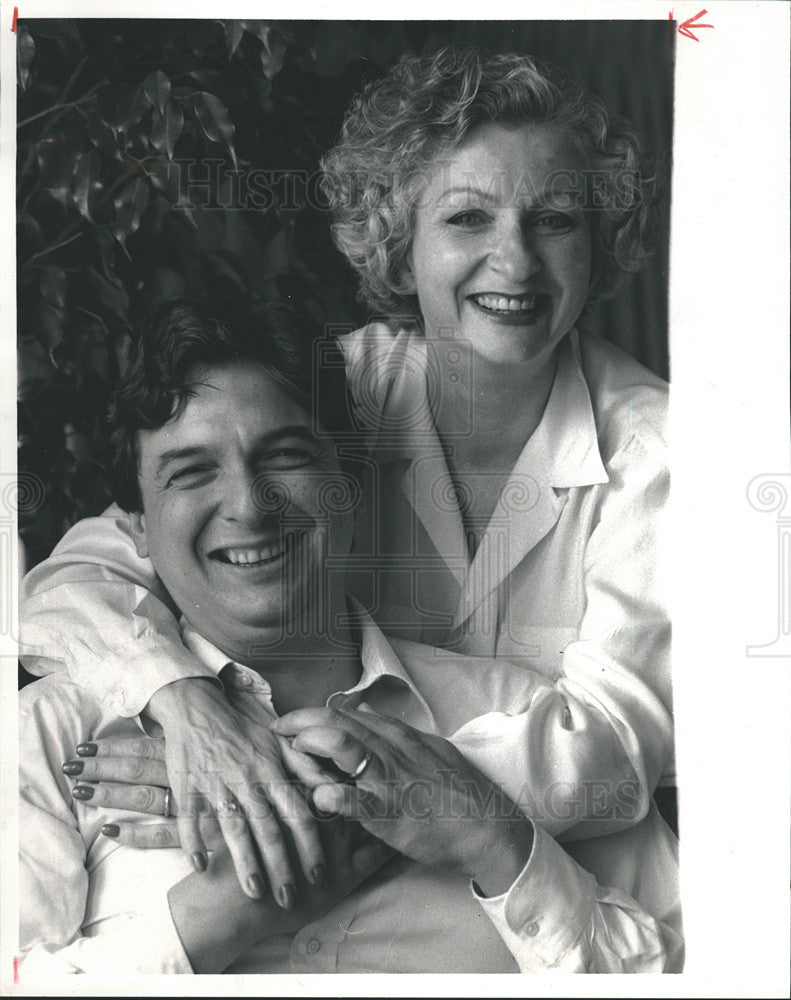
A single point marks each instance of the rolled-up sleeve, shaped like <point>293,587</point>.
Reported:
<point>99,609</point>
<point>54,881</point>
<point>556,917</point>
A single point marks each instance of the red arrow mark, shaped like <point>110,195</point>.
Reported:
<point>683,28</point>
<point>13,20</point>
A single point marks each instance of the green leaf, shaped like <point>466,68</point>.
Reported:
<point>213,118</point>
<point>52,286</point>
<point>233,35</point>
<point>167,128</point>
<point>156,87</point>
<point>85,182</point>
<point>103,137</point>
<point>25,50</point>
<point>129,207</point>
<point>55,170</point>
<point>105,293</point>
<point>273,53</point>
<point>122,105</point>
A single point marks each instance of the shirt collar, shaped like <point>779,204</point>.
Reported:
<point>562,452</point>
<point>378,658</point>
<point>565,442</point>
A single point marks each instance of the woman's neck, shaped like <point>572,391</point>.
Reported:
<point>501,404</point>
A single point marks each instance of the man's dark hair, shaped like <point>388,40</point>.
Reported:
<point>183,335</point>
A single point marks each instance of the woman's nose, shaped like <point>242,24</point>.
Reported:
<point>514,256</point>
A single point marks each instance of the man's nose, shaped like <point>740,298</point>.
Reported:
<point>245,498</point>
<point>513,255</point>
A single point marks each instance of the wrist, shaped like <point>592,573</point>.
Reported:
<point>171,697</point>
<point>217,923</point>
<point>498,867</point>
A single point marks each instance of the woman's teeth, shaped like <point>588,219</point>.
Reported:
<point>249,557</point>
<point>506,303</point>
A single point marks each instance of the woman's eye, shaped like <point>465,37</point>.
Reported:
<point>467,219</point>
<point>554,222</point>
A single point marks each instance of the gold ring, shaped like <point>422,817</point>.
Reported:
<point>168,811</point>
<point>361,768</point>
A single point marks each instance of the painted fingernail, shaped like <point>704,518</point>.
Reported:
<point>87,750</point>
<point>287,896</point>
<point>111,829</point>
<point>73,767</point>
<point>256,886</point>
<point>83,792</point>
<point>318,874</point>
<point>200,861</point>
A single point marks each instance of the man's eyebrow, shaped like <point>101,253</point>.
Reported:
<point>271,437</point>
<point>176,453</point>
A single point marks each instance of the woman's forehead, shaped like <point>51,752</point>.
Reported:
<point>501,162</point>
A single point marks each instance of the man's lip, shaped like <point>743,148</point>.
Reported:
<point>219,553</point>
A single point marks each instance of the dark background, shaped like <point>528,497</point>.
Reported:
<point>110,112</point>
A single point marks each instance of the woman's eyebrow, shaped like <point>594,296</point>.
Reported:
<point>468,190</point>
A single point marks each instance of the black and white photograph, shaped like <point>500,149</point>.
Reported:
<point>346,526</point>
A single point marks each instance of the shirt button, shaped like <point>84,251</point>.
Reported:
<point>531,930</point>
<point>313,946</point>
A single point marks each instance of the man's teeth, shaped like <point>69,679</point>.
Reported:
<point>247,557</point>
<point>505,303</point>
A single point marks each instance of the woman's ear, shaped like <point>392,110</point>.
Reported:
<point>137,524</point>
<point>408,276</point>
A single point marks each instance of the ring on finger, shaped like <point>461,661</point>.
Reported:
<point>167,812</point>
<point>228,805</point>
<point>362,767</point>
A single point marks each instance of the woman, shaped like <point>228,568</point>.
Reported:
<point>517,468</point>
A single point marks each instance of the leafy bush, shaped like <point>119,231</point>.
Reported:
<point>171,157</point>
<point>119,124</point>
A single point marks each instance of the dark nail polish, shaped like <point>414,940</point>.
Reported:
<point>83,792</point>
<point>318,874</point>
<point>200,861</point>
<point>87,750</point>
<point>287,896</point>
<point>256,886</point>
<point>73,767</point>
<point>111,829</point>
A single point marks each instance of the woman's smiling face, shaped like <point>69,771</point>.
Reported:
<point>501,254</point>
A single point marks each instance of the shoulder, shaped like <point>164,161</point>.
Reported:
<point>629,401</point>
<point>55,713</point>
<point>376,353</point>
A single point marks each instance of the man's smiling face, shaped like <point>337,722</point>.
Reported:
<point>233,518</point>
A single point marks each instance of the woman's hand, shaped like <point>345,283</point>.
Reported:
<point>217,924</point>
<point>417,793</point>
<point>218,756</point>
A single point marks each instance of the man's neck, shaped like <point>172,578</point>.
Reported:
<point>302,665</point>
<point>304,672</point>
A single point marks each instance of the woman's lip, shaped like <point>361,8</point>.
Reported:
<point>515,317</point>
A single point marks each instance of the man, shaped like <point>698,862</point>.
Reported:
<point>228,477</point>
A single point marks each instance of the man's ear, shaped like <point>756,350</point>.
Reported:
<point>137,523</point>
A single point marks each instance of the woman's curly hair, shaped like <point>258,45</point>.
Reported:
<point>427,104</point>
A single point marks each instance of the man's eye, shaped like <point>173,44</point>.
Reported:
<point>468,219</point>
<point>553,222</point>
<point>288,458</point>
<point>194,475</point>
